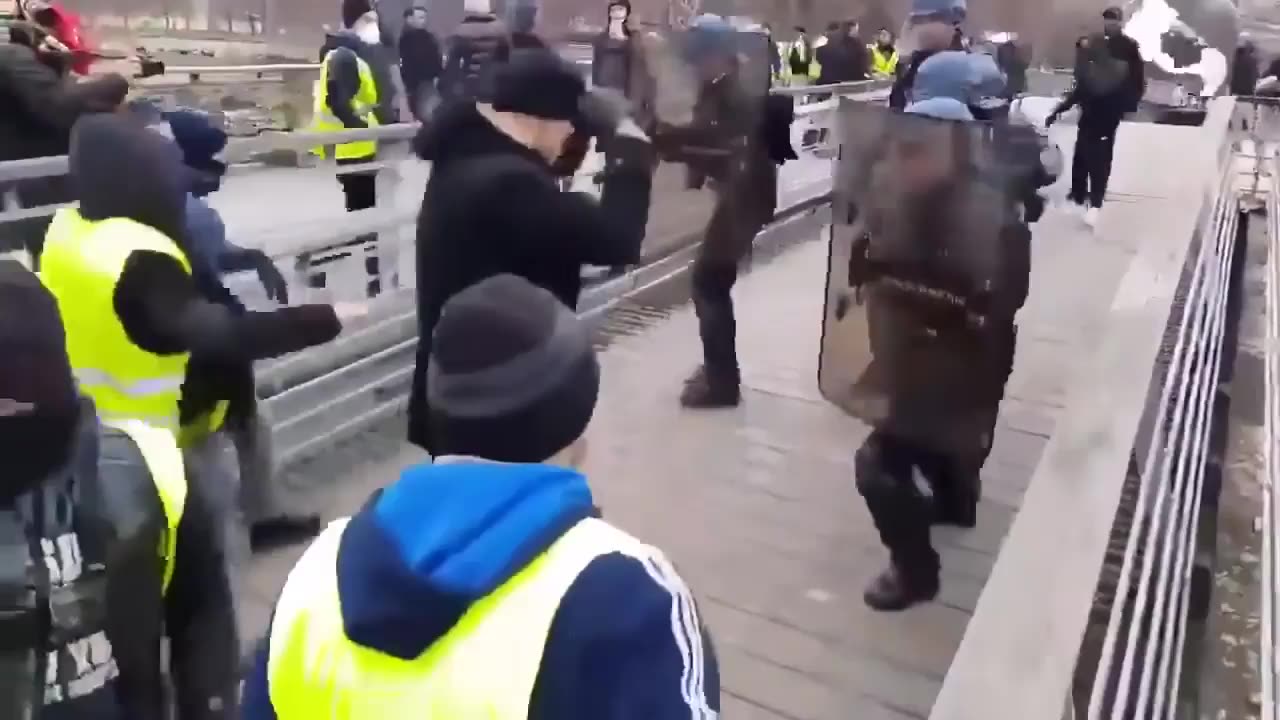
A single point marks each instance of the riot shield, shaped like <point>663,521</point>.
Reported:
<point>929,262</point>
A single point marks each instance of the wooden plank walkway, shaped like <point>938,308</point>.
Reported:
<point>757,506</point>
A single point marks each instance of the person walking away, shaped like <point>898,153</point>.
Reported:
<point>934,26</point>
<point>105,552</point>
<point>486,584</point>
<point>219,406</point>
<point>355,91</point>
<point>798,57</point>
<point>41,103</point>
<point>938,426</point>
<point>735,147</point>
<point>1110,81</point>
<point>493,203</point>
<point>120,267</point>
<point>883,55</point>
<point>523,22</point>
<point>421,61</point>
<point>477,46</point>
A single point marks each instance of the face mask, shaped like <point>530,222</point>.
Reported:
<point>367,29</point>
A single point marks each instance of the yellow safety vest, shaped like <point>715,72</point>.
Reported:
<point>365,101</point>
<point>882,64</point>
<point>164,462</point>
<point>204,425</point>
<point>81,265</point>
<point>485,667</point>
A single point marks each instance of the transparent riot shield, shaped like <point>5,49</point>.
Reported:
<point>929,262</point>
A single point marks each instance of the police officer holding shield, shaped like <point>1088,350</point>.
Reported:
<point>732,145</point>
<point>943,261</point>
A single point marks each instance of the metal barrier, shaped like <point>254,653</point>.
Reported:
<point>1270,525</point>
<point>1142,401</point>
<point>315,397</point>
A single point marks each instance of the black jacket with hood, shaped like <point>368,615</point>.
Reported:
<point>159,303</point>
<point>493,206</point>
<point>471,51</point>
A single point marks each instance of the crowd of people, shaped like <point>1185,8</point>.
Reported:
<point>486,582</point>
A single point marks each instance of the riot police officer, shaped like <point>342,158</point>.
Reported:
<point>946,260</point>
<point>732,145</point>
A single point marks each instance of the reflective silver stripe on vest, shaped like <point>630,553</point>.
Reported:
<point>89,378</point>
<point>164,422</point>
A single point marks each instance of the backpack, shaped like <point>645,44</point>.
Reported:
<point>1102,73</point>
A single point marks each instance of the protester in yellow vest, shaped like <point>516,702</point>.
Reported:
<point>133,311</point>
<point>884,56</point>
<point>92,515</point>
<point>486,585</point>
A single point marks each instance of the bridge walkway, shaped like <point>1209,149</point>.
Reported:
<point>758,507</point>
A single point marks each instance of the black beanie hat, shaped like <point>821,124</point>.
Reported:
<point>353,10</point>
<point>539,83</point>
<point>512,376</point>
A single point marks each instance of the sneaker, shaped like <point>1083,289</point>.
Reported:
<point>1091,217</point>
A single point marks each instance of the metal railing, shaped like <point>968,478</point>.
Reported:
<point>1270,520</point>
<point>1143,400</point>
<point>315,397</point>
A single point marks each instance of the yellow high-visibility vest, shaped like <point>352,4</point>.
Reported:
<point>164,462</point>
<point>485,667</point>
<point>364,104</point>
<point>81,264</point>
<point>883,65</point>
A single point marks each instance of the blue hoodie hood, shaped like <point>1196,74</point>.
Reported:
<point>422,551</point>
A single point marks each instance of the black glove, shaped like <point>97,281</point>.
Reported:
<point>1053,118</point>
<point>272,281</point>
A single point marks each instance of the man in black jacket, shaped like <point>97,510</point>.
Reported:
<point>493,204</point>
<point>480,42</point>
<point>1109,83</point>
<point>40,104</point>
<point>84,599</point>
<point>421,61</point>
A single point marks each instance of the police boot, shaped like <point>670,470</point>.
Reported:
<point>705,390</point>
<point>901,515</point>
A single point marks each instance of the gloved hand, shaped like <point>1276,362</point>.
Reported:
<point>1051,119</point>
<point>272,281</point>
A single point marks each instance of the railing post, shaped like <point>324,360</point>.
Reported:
<point>382,256</point>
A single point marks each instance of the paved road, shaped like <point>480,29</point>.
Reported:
<point>758,506</point>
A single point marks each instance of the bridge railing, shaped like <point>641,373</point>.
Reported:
<point>313,398</point>
<point>1107,527</point>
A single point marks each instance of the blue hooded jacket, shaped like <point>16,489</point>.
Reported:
<point>625,644</point>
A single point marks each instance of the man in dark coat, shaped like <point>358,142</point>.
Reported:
<point>1244,68</point>
<point>421,61</point>
<point>493,204</point>
<point>41,103</point>
<point>480,42</point>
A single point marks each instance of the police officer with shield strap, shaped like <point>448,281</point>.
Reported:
<point>944,264</point>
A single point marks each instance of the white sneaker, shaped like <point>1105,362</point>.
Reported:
<point>1091,217</point>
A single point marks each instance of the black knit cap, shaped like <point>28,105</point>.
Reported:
<point>512,377</point>
<point>539,83</point>
<point>35,374</point>
<point>353,10</point>
<point>1113,13</point>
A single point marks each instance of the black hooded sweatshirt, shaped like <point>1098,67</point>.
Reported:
<point>159,303</point>
<point>493,206</point>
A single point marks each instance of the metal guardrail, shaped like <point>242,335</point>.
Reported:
<point>315,397</point>
<point>1270,521</point>
<point>1021,653</point>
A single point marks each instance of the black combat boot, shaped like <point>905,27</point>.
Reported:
<point>902,516</point>
<point>710,390</point>
<point>895,590</point>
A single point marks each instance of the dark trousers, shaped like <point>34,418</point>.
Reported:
<point>360,190</point>
<point>1091,164</point>
<point>713,282</point>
